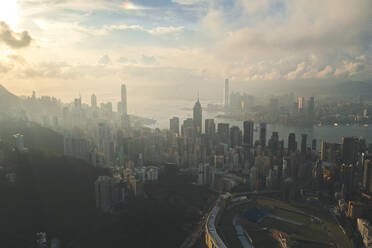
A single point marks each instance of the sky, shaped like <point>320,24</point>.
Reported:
<point>166,50</point>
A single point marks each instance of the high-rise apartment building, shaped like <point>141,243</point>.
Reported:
<point>93,101</point>
<point>248,133</point>
<point>303,143</point>
<point>124,109</point>
<point>263,130</point>
<point>174,125</point>
<point>223,132</point>
<point>292,144</point>
<point>300,104</point>
<point>210,128</point>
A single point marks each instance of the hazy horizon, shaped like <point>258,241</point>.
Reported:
<point>61,48</point>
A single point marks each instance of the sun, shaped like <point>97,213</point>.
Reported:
<point>129,6</point>
<point>9,12</point>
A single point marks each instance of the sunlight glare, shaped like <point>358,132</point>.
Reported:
<point>9,12</point>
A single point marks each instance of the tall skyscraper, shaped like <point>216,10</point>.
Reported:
<point>124,99</point>
<point>292,144</point>
<point>300,104</point>
<point>273,143</point>
<point>350,147</point>
<point>303,143</point>
<point>93,101</point>
<point>235,136</point>
<point>223,132</point>
<point>367,176</point>
<point>227,93</point>
<point>248,133</point>
<point>198,117</point>
<point>330,152</point>
<point>174,125</point>
<point>210,127</point>
<point>188,128</point>
<point>263,134</point>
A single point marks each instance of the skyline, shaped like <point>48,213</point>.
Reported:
<point>195,45</point>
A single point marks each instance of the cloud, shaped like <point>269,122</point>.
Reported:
<point>349,68</point>
<point>124,60</point>
<point>154,31</point>
<point>187,2</point>
<point>16,58</point>
<point>104,60</point>
<point>13,39</point>
<point>4,68</point>
<point>148,60</point>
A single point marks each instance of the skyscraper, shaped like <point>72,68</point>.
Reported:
<point>350,146</point>
<point>223,132</point>
<point>367,176</point>
<point>303,143</point>
<point>174,125</point>
<point>292,144</point>
<point>198,119</point>
<point>300,104</point>
<point>263,134</point>
<point>124,99</point>
<point>330,152</point>
<point>210,128</point>
<point>248,133</point>
<point>227,93</point>
<point>93,101</point>
<point>235,137</point>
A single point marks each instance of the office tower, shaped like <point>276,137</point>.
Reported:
<point>119,108</point>
<point>93,101</point>
<point>367,176</point>
<point>303,143</point>
<point>188,127</point>
<point>274,142</point>
<point>235,137</point>
<point>350,147</point>
<point>124,99</point>
<point>174,125</point>
<point>300,104</point>
<point>227,93</point>
<point>210,127</point>
<point>223,132</point>
<point>263,134</point>
<point>313,145</point>
<point>311,106</point>
<point>292,144</point>
<point>198,119</point>
<point>248,133</point>
<point>331,152</point>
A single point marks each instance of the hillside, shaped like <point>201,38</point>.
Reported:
<point>7,99</point>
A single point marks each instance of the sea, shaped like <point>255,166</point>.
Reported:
<point>183,109</point>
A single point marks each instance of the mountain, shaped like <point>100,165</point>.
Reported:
<point>7,99</point>
<point>351,88</point>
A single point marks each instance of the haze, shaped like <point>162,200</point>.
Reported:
<point>166,49</point>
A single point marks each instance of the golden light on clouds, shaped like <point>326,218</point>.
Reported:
<point>129,6</point>
<point>9,12</point>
